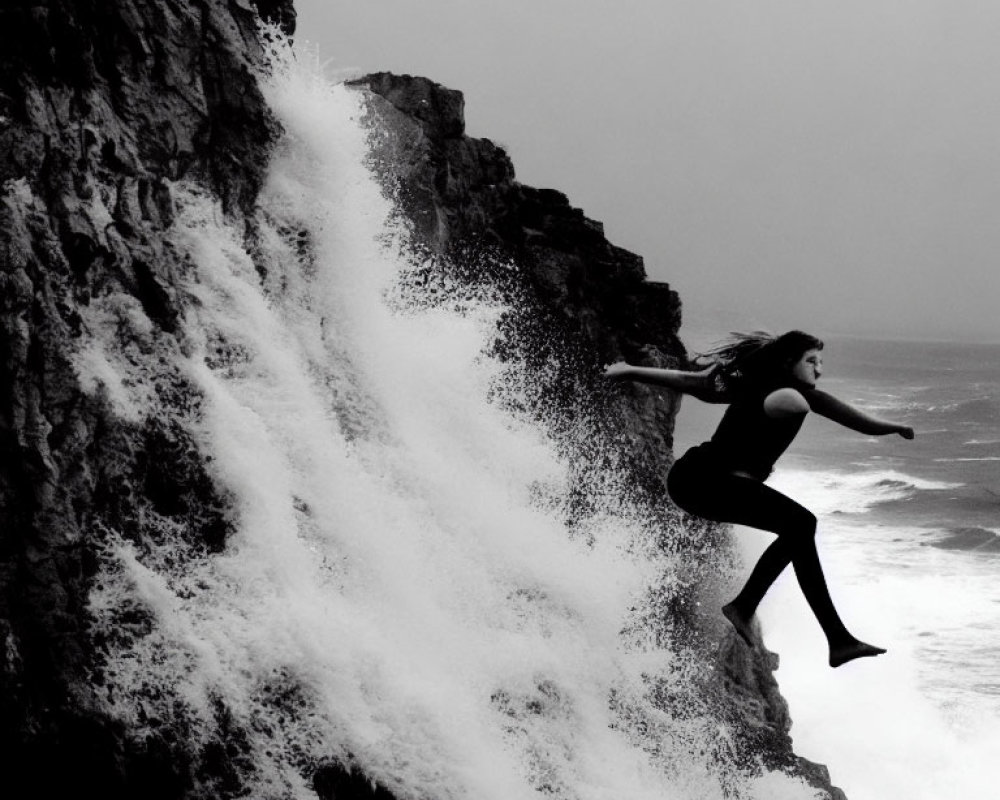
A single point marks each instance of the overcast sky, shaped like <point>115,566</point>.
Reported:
<point>832,165</point>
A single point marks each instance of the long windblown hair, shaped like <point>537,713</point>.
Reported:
<point>757,362</point>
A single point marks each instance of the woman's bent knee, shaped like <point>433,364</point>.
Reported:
<point>799,525</point>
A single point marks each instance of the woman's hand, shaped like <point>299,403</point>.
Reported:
<point>905,431</point>
<point>617,370</point>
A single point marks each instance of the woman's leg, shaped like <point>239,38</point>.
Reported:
<point>770,565</point>
<point>749,502</point>
<point>725,497</point>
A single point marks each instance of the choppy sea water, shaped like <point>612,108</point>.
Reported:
<point>910,539</point>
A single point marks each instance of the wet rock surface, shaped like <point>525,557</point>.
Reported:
<point>103,105</point>
<point>583,302</point>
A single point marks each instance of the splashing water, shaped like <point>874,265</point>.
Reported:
<point>393,594</point>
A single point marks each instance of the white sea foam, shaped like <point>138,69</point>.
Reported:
<point>392,595</point>
<point>109,365</point>
<point>960,459</point>
<point>833,491</point>
<point>921,722</point>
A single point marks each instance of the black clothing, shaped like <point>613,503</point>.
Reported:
<point>703,483</point>
<point>748,440</point>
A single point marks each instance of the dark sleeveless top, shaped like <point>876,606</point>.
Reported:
<point>750,441</point>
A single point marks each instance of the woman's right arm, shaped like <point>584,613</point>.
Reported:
<point>700,384</point>
<point>847,415</point>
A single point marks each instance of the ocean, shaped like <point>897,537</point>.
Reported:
<point>909,534</point>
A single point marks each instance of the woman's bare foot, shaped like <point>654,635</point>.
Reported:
<point>740,622</point>
<point>852,650</point>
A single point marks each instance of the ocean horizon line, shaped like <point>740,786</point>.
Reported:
<point>702,333</point>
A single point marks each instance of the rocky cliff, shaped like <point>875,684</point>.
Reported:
<point>104,106</point>
<point>585,302</point>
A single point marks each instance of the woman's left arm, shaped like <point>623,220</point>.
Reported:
<point>828,406</point>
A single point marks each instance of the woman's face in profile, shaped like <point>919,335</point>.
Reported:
<point>808,368</point>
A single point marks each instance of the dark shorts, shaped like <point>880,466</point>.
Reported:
<point>701,485</point>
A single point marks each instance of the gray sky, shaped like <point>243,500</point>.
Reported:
<point>832,165</point>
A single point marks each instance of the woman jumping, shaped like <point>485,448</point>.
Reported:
<point>770,385</point>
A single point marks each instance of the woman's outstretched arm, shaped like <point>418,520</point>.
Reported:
<point>854,418</point>
<point>700,384</point>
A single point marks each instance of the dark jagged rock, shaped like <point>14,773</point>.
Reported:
<point>334,782</point>
<point>440,111</point>
<point>103,103</point>
<point>585,302</point>
<point>461,195</point>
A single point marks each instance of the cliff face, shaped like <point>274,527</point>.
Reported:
<point>104,104</point>
<point>585,303</point>
<point>582,293</point>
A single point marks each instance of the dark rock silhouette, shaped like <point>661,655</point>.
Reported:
<point>102,105</point>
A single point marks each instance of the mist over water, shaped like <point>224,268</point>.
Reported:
<point>401,591</point>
